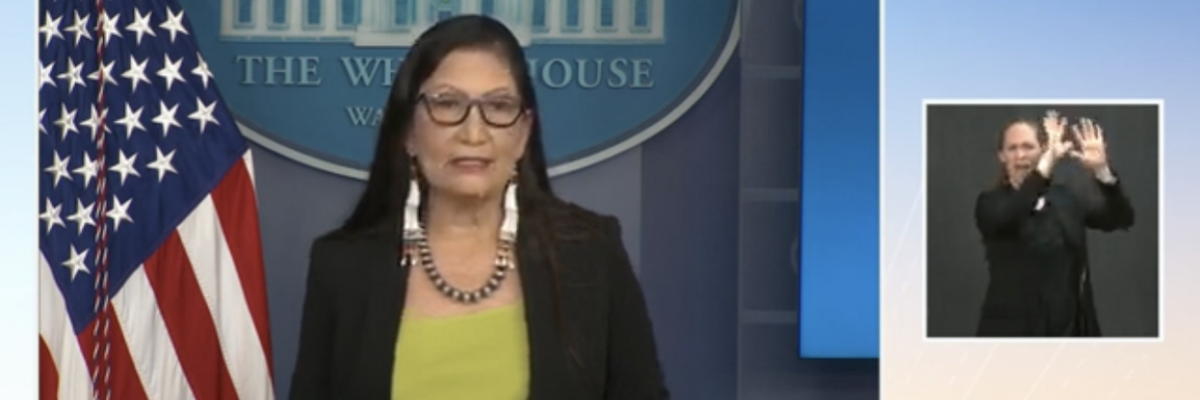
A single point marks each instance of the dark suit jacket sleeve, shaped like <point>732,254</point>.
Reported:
<point>633,372</point>
<point>1116,212</point>
<point>311,376</point>
<point>1000,211</point>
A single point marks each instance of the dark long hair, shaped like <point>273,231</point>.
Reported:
<point>381,205</point>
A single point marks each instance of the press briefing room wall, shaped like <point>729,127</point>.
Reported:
<point>691,199</point>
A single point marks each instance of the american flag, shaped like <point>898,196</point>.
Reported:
<point>151,275</point>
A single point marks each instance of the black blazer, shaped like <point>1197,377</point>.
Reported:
<point>1039,273</point>
<point>355,296</point>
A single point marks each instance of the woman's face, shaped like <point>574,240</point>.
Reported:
<point>1020,151</point>
<point>470,126</point>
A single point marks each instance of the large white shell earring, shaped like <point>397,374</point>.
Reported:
<point>508,228</point>
<point>413,233</point>
<point>412,206</point>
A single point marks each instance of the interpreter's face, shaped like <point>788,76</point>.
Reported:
<point>1020,151</point>
<point>464,149</point>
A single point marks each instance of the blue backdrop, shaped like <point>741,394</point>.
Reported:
<point>839,218</point>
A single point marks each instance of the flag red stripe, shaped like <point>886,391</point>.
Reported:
<point>47,372</point>
<point>189,321</point>
<point>237,210</point>
<point>87,340</point>
<point>123,379</point>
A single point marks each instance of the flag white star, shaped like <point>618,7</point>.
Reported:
<point>170,70</point>
<point>140,25</point>
<point>125,166</point>
<point>119,212</point>
<point>202,71</point>
<point>77,263</point>
<point>59,168</point>
<point>51,216</point>
<point>136,73</point>
<point>109,23</point>
<point>166,117</point>
<point>49,28</point>
<point>93,121</point>
<point>45,75</point>
<point>82,216</point>
<point>42,120</point>
<point>162,164</point>
<point>88,170</point>
<point>204,114</point>
<point>132,121</point>
<point>174,24</point>
<point>106,71</point>
<point>73,75</point>
<point>80,28</point>
<point>66,121</point>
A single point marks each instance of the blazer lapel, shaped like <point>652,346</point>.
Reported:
<point>546,374</point>
<point>382,313</point>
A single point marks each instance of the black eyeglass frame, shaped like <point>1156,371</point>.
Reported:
<point>472,104</point>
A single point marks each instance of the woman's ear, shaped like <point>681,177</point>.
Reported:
<point>410,148</point>
<point>524,130</point>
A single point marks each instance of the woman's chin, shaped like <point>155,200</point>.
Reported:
<point>470,188</point>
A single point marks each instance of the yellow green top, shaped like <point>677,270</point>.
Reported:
<point>483,355</point>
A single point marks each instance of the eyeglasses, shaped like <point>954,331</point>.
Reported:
<point>452,109</point>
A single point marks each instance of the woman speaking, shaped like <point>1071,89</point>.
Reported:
<point>1034,232</point>
<point>459,274</point>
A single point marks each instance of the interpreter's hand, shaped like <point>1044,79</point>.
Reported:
<point>1055,126</point>
<point>1092,152</point>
